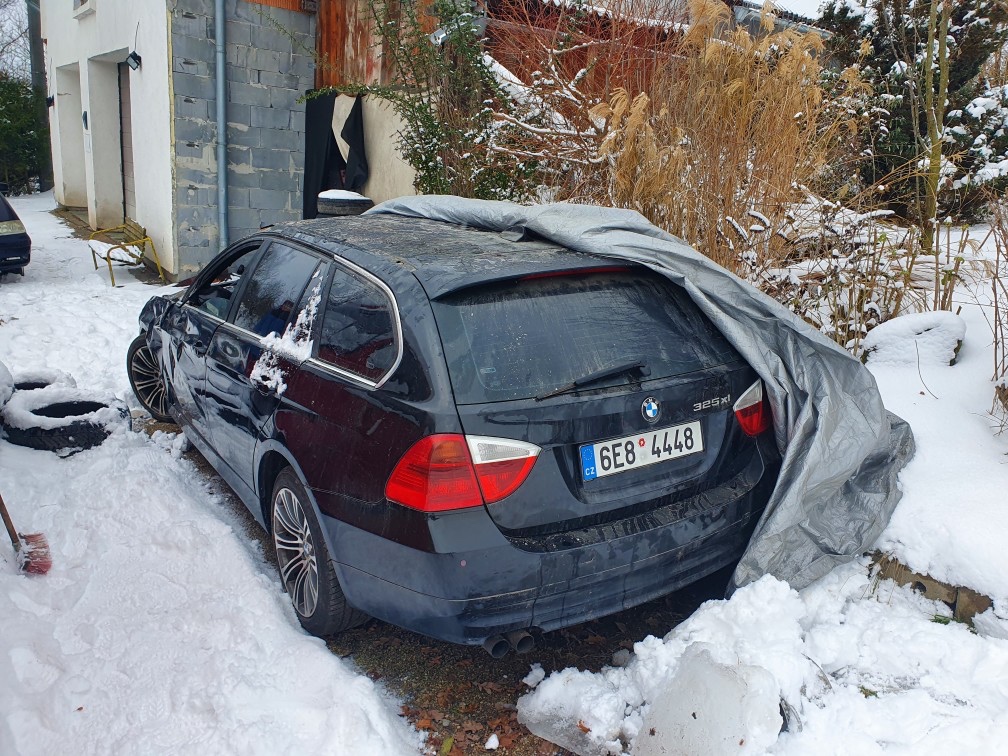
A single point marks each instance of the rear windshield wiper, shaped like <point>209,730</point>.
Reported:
<point>631,368</point>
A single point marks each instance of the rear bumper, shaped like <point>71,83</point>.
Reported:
<point>475,582</point>
<point>15,253</point>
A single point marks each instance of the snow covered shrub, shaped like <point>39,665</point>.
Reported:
<point>446,93</point>
<point>980,133</point>
<point>888,41</point>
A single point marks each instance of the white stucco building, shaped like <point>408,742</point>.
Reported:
<point>141,143</point>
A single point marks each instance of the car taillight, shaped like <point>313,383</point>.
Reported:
<point>451,471</point>
<point>501,464</point>
<point>753,410</point>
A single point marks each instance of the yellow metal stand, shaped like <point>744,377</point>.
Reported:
<point>131,249</point>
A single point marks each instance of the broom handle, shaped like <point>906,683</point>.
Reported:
<point>10,525</point>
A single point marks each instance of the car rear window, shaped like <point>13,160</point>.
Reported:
<point>526,338</point>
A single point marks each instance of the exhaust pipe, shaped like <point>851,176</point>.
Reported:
<point>521,641</point>
<point>496,646</point>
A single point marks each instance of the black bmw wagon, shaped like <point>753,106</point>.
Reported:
<point>473,437</point>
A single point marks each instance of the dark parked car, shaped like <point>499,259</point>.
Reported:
<point>15,244</point>
<point>465,435</point>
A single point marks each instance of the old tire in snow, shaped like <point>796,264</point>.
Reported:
<point>62,418</point>
<point>337,202</point>
<point>29,380</point>
<point>306,569</point>
<point>146,381</point>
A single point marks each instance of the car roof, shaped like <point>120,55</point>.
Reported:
<point>443,256</point>
<point>6,211</point>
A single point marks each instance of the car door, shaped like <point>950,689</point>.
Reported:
<point>188,330</point>
<point>250,356</point>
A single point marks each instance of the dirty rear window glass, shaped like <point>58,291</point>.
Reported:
<point>526,338</point>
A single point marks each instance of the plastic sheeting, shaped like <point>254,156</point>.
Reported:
<point>841,449</point>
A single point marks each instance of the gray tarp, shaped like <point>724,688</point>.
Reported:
<point>841,449</point>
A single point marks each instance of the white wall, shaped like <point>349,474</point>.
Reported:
<point>389,176</point>
<point>95,39</point>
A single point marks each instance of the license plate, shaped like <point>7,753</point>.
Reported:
<point>639,450</point>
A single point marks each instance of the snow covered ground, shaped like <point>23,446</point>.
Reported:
<point>160,629</point>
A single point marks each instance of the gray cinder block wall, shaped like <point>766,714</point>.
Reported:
<point>267,71</point>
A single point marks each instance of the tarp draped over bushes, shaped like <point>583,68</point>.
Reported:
<point>842,450</point>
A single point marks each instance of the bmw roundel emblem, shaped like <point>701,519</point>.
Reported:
<point>651,409</point>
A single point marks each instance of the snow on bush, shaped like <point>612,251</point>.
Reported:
<point>980,133</point>
<point>927,338</point>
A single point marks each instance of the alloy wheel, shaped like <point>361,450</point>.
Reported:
<point>147,383</point>
<point>295,551</point>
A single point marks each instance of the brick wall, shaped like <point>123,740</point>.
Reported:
<point>267,72</point>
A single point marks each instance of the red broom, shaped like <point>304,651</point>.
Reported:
<point>32,550</point>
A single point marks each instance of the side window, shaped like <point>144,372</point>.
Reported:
<point>358,330</point>
<point>274,289</point>
<point>214,295</point>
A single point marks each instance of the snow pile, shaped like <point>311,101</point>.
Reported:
<point>6,384</point>
<point>926,338</point>
<point>341,194</point>
<point>161,628</point>
<point>858,666</point>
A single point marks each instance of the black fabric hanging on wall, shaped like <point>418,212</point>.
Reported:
<point>324,166</point>
<point>353,134</point>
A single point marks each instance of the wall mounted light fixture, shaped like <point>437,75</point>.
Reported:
<point>133,60</point>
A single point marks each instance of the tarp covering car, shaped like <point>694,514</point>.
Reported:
<point>842,450</point>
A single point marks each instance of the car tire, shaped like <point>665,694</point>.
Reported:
<point>61,419</point>
<point>146,380</point>
<point>35,379</point>
<point>306,568</point>
<point>343,206</point>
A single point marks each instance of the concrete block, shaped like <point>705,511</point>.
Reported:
<point>302,66</point>
<point>284,99</point>
<point>280,139</point>
<point>269,60</point>
<point>239,74</point>
<point>282,80</point>
<point>194,259</point>
<point>239,156</point>
<point>273,160</point>
<point>191,85</point>
<point>243,177</point>
<point>238,33</point>
<point>190,66</point>
<point>268,37</point>
<point>237,55</point>
<point>249,94</point>
<point>197,47</point>
<point>297,159</point>
<point>189,149</point>
<point>238,113</point>
<point>190,175</point>
<point>186,24</point>
<point>280,180</point>
<point>191,195</point>
<point>242,218</point>
<point>196,236</point>
<point>195,130</point>
<point>272,217</point>
<point>198,7</point>
<point>271,118</point>
<point>191,107</point>
<point>297,123</point>
<point>241,134</point>
<point>238,197</point>
<point>268,199</point>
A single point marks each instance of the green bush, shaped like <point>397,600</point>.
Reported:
<point>24,143</point>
